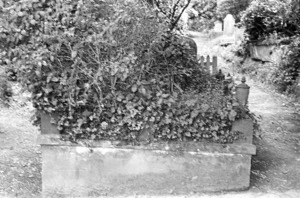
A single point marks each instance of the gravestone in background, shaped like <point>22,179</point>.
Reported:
<point>218,26</point>
<point>229,30</point>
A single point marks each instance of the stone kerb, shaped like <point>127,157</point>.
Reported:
<point>115,168</point>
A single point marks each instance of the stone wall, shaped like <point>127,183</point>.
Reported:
<point>114,168</point>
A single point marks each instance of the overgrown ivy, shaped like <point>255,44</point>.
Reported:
<point>110,70</point>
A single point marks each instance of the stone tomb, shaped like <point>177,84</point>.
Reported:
<point>112,168</point>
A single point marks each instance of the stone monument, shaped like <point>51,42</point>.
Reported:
<point>218,26</point>
<point>229,30</point>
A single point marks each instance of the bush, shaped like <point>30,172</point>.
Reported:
<point>5,89</point>
<point>264,17</point>
<point>113,71</point>
<point>287,74</point>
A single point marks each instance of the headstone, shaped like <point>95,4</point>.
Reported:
<point>218,26</point>
<point>229,25</point>
<point>229,29</point>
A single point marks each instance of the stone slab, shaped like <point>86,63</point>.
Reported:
<point>81,171</point>
<point>46,125</point>
<point>114,168</point>
<point>241,147</point>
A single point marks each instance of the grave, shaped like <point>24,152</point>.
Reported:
<point>218,26</point>
<point>229,30</point>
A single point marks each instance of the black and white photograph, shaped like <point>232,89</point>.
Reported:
<point>150,98</point>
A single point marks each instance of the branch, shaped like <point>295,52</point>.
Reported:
<point>174,8</point>
<point>173,24</point>
<point>200,14</point>
<point>157,3</point>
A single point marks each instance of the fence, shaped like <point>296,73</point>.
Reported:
<point>209,66</point>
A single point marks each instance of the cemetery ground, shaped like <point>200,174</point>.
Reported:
<point>275,169</point>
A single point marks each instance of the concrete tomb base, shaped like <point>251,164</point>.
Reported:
<point>113,169</point>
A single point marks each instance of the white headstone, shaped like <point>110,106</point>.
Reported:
<point>218,26</point>
<point>229,23</point>
<point>229,30</point>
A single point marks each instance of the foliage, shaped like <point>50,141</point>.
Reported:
<point>113,70</point>
<point>234,7</point>
<point>264,17</point>
<point>285,78</point>
<point>211,10</point>
<point>206,14</point>
<point>170,11</point>
<point>5,89</point>
<point>275,22</point>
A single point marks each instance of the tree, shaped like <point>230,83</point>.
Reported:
<point>264,17</point>
<point>171,11</point>
<point>234,7</point>
<point>206,14</point>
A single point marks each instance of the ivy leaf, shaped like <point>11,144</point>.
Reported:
<point>54,101</point>
<point>74,54</point>
<point>194,113</point>
<point>54,79</point>
<point>142,90</point>
<point>232,115</point>
<point>79,122</point>
<point>134,88</point>
<point>205,107</point>
<point>188,134</point>
<point>86,113</point>
<point>52,58</point>
<point>48,90</point>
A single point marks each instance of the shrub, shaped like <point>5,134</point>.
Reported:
<point>5,89</point>
<point>287,74</point>
<point>112,70</point>
<point>263,17</point>
<point>234,7</point>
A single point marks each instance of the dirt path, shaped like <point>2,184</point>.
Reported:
<point>277,163</point>
<point>276,167</point>
<point>20,164</point>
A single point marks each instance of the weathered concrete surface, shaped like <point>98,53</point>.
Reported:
<point>82,171</point>
<point>46,125</point>
<point>114,168</point>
